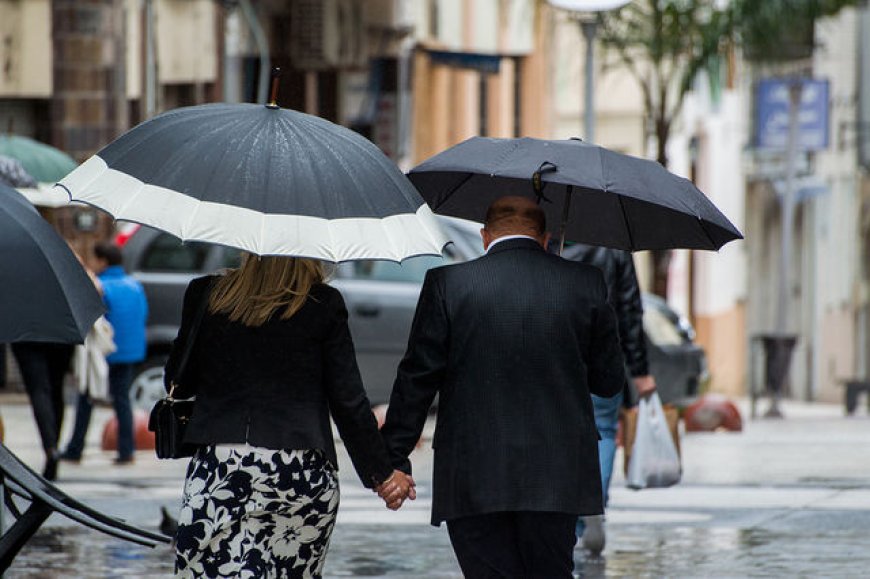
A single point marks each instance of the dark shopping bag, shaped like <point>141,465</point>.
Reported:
<point>654,460</point>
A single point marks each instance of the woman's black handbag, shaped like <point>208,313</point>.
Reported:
<point>168,421</point>
<point>169,417</point>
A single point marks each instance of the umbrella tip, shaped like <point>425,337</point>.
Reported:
<point>273,96</point>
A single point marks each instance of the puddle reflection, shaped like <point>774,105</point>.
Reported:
<point>60,552</point>
<point>423,551</point>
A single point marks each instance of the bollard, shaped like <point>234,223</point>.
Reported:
<point>142,437</point>
<point>712,412</point>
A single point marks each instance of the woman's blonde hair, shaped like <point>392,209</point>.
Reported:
<point>252,293</point>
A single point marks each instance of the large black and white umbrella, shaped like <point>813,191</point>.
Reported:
<point>590,194</point>
<point>264,179</point>
<point>45,293</point>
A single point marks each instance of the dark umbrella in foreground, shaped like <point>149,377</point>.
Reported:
<point>590,194</point>
<point>263,179</point>
<point>45,294</point>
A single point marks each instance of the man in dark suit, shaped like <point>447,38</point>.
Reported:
<point>512,342</point>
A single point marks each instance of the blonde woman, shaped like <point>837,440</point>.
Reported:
<point>271,359</point>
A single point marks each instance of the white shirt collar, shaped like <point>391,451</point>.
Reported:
<point>506,237</point>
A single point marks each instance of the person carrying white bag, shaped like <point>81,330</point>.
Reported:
<point>89,360</point>
<point>655,462</point>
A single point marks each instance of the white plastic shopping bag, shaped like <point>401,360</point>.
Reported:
<point>89,360</point>
<point>654,461</point>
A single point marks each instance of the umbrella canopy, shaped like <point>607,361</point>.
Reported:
<point>266,180</point>
<point>44,162</point>
<point>590,194</point>
<point>45,294</point>
<point>13,173</point>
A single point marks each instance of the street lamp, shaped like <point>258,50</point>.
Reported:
<point>586,13</point>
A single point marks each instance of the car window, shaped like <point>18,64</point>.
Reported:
<point>411,270</point>
<point>661,330</point>
<point>167,253</point>
<point>231,257</point>
<point>472,240</point>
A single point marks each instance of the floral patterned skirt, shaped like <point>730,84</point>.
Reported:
<point>256,512</point>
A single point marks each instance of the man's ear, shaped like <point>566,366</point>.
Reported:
<point>486,237</point>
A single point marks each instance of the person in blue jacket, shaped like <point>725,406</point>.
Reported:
<point>127,312</point>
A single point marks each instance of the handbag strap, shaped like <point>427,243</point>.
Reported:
<point>191,337</point>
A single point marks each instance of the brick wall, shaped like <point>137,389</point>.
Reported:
<point>88,74</point>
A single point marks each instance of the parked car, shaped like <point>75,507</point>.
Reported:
<point>678,364</point>
<point>381,297</point>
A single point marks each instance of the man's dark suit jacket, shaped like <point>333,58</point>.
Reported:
<point>512,342</point>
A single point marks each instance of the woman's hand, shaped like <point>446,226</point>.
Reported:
<point>398,487</point>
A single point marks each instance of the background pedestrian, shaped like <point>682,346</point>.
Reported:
<point>127,312</point>
<point>43,366</point>
<point>624,297</point>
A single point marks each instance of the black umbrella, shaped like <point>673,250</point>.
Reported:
<point>45,294</point>
<point>590,194</point>
<point>263,179</point>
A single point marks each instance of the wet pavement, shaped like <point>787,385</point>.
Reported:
<point>784,498</point>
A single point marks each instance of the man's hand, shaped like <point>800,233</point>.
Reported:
<point>645,385</point>
<point>398,487</point>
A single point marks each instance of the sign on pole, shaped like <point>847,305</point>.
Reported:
<point>771,119</point>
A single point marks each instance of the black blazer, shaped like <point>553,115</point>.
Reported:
<point>512,342</point>
<point>274,385</point>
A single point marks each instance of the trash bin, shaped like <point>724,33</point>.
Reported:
<point>777,350</point>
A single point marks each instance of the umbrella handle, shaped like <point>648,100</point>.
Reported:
<point>537,182</point>
<point>566,209</point>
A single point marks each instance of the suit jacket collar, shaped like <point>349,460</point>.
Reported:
<point>520,243</point>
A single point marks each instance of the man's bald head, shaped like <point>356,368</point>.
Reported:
<point>514,215</point>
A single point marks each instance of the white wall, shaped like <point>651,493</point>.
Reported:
<point>25,49</point>
<point>832,220</point>
<point>618,103</point>
<point>720,277</point>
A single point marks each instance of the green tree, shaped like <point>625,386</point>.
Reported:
<point>665,44</point>
<point>780,30</point>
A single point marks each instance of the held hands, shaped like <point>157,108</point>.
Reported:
<point>398,487</point>
<point>645,385</point>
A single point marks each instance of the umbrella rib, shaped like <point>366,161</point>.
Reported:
<point>432,238</point>
<point>627,223</point>
<point>331,248</point>
<point>184,227</point>
<point>130,201</point>
<point>391,239</point>
<point>707,233</point>
<point>455,188</point>
<point>261,237</point>
<point>86,185</point>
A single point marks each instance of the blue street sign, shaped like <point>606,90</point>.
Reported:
<point>772,106</point>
